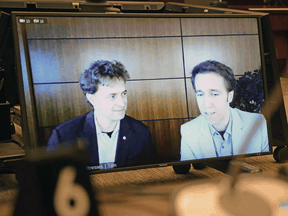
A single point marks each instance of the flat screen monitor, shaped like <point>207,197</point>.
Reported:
<point>158,117</point>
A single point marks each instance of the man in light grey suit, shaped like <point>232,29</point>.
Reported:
<point>220,130</point>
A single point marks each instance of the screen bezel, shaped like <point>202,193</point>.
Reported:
<point>30,137</point>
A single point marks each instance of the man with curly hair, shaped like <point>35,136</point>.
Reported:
<point>219,130</point>
<point>116,140</point>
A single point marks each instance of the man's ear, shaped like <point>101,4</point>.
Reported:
<point>230,96</point>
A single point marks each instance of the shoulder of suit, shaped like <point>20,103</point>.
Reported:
<point>247,115</point>
<point>74,121</point>
<point>134,123</point>
<point>193,123</point>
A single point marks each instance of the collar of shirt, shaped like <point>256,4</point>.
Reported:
<point>228,129</point>
<point>106,145</point>
<point>219,142</point>
<point>98,128</point>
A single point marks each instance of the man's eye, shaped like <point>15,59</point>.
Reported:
<point>199,94</point>
<point>215,94</point>
<point>111,96</point>
<point>124,93</point>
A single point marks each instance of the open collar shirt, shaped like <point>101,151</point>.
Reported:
<point>106,145</point>
<point>223,147</point>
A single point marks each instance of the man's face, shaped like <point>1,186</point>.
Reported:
<point>213,99</point>
<point>110,102</point>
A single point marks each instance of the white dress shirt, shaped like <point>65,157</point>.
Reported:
<point>106,146</point>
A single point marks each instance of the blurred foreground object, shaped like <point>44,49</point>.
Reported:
<point>254,194</point>
<point>56,184</point>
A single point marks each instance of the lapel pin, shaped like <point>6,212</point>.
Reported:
<point>124,137</point>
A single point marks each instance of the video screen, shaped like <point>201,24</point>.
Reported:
<point>142,90</point>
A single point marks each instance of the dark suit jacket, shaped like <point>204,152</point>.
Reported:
<point>134,145</point>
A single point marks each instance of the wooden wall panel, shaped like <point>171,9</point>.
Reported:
<point>153,99</point>
<point>281,43</point>
<point>157,99</point>
<point>192,102</point>
<point>104,27</point>
<point>279,22</point>
<point>219,26</point>
<point>57,103</point>
<point>144,58</point>
<point>54,61</point>
<point>241,53</point>
<point>166,138</point>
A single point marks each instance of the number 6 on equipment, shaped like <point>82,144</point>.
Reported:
<point>70,198</point>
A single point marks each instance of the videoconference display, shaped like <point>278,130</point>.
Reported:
<point>124,85</point>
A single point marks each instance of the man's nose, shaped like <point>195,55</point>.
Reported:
<point>207,102</point>
<point>121,101</point>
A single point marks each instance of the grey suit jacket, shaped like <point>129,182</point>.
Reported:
<point>197,142</point>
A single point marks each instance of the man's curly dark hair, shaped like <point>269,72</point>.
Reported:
<point>102,72</point>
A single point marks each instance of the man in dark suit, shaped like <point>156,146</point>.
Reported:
<point>115,139</point>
